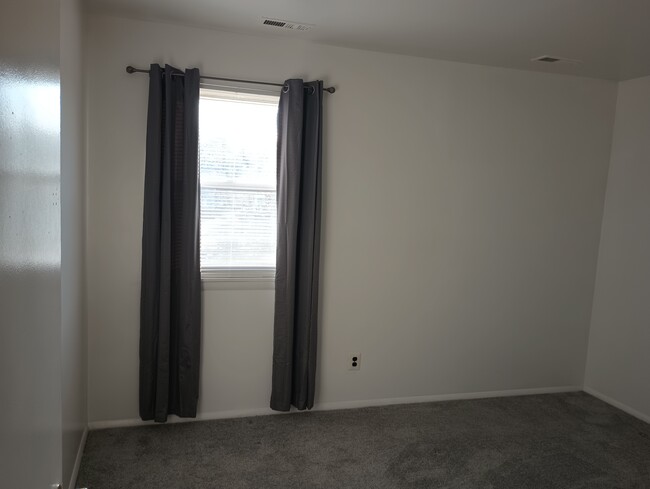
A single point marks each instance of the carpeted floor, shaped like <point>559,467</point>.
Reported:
<point>547,442</point>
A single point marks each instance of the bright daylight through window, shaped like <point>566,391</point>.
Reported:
<point>237,146</point>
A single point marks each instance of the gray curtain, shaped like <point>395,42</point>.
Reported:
<point>298,246</point>
<point>170,302</point>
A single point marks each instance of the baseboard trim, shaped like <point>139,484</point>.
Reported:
<point>77,462</point>
<point>617,404</point>
<point>333,406</point>
<point>128,423</point>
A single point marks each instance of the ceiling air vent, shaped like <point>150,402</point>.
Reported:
<point>286,24</point>
<point>556,59</point>
<point>547,59</point>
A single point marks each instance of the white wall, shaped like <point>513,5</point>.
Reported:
<point>462,212</point>
<point>619,361</point>
<point>73,335</point>
<point>30,251</point>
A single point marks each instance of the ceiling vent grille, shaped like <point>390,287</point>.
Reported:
<point>556,59</point>
<point>286,24</point>
<point>547,59</point>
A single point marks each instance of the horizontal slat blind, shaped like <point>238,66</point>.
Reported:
<point>238,137</point>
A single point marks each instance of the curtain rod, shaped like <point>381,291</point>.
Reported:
<point>130,69</point>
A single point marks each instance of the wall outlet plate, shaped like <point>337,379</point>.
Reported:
<point>354,361</point>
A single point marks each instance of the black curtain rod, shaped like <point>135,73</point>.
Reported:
<point>130,69</point>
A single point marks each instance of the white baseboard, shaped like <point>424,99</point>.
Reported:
<point>127,423</point>
<point>332,406</point>
<point>617,404</point>
<point>77,462</point>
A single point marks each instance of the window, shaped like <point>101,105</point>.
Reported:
<point>237,148</point>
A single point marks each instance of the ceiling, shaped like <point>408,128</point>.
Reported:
<point>611,38</point>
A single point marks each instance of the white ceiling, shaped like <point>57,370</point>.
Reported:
<point>610,37</point>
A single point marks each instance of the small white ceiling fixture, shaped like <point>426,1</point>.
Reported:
<point>286,24</point>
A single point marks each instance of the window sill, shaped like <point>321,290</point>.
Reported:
<point>238,279</point>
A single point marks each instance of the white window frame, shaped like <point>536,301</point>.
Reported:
<point>237,277</point>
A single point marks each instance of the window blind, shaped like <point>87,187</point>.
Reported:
<point>237,148</point>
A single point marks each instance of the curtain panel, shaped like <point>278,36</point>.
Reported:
<point>170,307</point>
<point>298,247</point>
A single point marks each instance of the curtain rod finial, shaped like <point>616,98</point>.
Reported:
<point>130,69</point>
<point>330,89</point>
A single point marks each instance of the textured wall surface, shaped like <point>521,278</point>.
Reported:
<point>73,235</point>
<point>619,364</point>
<point>462,212</point>
<point>30,245</point>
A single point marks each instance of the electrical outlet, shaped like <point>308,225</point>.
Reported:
<point>354,361</point>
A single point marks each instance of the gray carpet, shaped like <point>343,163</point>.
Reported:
<point>548,442</point>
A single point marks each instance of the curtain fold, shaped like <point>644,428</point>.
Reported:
<point>170,302</point>
<point>298,246</point>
